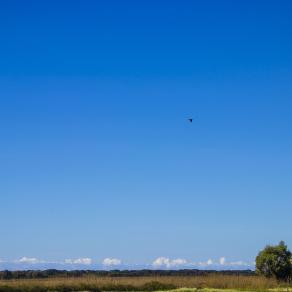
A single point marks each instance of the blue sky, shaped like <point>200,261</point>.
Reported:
<point>98,160</point>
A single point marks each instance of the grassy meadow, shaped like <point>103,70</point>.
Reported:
<point>209,283</point>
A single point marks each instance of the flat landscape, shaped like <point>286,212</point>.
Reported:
<point>210,283</point>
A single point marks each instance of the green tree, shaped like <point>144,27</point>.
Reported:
<point>275,261</point>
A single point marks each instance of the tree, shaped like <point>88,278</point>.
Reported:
<point>275,261</point>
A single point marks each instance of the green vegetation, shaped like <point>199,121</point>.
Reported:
<point>35,274</point>
<point>275,261</point>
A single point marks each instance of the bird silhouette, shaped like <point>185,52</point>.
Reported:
<point>190,120</point>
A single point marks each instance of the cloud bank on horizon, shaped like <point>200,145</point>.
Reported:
<point>25,263</point>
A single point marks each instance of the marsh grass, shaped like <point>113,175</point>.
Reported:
<point>151,283</point>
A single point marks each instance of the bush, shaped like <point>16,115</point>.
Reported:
<point>275,261</point>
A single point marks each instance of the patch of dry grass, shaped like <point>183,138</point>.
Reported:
<point>95,283</point>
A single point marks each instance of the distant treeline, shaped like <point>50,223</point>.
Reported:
<point>38,274</point>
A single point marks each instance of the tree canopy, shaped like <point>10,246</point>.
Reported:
<point>275,261</point>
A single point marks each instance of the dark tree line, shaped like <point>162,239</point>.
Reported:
<point>33,274</point>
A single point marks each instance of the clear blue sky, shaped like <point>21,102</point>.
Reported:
<point>97,158</point>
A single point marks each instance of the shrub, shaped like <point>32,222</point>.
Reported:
<point>275,261</point>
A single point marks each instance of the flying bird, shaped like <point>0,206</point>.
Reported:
<point>190,120</point>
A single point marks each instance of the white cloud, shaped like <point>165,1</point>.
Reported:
<point>209,262</point>
<point>178,262</point>
<point>111,262</point>
<point>160,262</point>
<point>222,261</point>
<point>25,260</point>
<point>80,261</point>
<point>240,263</point>
<point>168,263</point>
